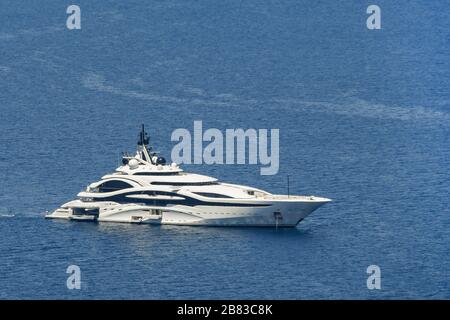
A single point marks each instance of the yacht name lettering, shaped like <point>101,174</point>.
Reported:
<point>237,142</point>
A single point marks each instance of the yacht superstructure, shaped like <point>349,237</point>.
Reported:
<point>145,189</point>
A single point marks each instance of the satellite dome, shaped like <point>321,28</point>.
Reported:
<point>133,164</point>
<point>160,161</point>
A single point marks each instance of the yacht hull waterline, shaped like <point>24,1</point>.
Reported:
<point>146,190</point>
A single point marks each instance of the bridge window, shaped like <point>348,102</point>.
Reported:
<point>156,173</point>
<point>113,185</point>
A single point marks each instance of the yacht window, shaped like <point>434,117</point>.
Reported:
<point>85,211</point>
<point>212,195</point>
<point>160,193</point>
<point>183,183</point>
<point>156,174</point>
<point>113,185</point>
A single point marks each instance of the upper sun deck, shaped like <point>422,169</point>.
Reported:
<point>164,178</point>
<point>145,162</point>
<point>142,169</point>
<point>146,167</point>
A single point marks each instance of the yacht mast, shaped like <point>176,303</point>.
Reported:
<point>142,145</point>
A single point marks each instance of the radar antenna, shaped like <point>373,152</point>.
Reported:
<point>143,142</point>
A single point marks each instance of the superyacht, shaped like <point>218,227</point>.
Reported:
<point>146,189</point>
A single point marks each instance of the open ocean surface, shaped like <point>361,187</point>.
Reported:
<point>364,119</point>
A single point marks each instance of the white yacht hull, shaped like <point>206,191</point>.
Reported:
<point>144,189</point>
<point>283,213</point>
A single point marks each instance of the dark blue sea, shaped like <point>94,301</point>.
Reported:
<point>364,119</point>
